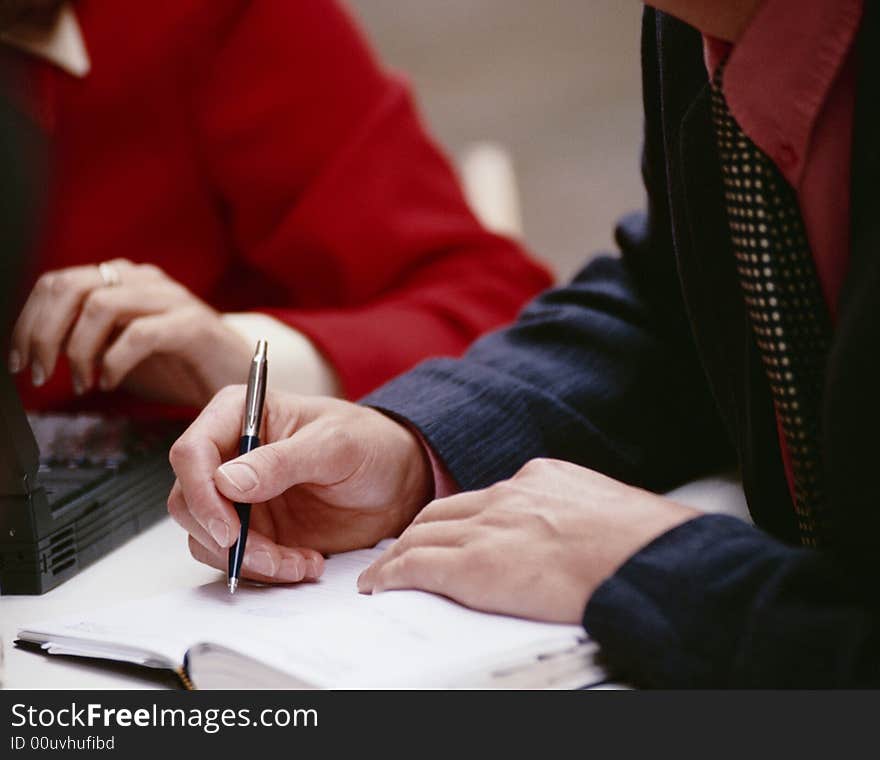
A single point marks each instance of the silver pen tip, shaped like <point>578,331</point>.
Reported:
<point>233,584</point>
<point>262,350</point>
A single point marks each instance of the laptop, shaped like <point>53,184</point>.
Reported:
<point>72,489</point>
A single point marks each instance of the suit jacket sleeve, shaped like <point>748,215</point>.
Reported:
<point>716,602</point>
<point>335,191</point>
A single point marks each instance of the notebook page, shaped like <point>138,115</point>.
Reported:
<point>162,628</point>
<point>326,632</point>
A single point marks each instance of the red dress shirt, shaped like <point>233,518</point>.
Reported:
<point>260,155</point>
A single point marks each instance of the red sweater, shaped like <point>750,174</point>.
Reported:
<point>259,154</point>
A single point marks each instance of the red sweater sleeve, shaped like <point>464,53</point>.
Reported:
<point>334,190</point>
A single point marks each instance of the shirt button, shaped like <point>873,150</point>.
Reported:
<point>786,156</point>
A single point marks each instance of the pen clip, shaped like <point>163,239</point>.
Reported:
<point>256,392</point>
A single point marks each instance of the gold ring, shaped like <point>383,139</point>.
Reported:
<point>109,274</point>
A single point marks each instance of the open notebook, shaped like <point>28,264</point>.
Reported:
<point>326,635</point>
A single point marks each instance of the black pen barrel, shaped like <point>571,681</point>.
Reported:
<point>236,552</point>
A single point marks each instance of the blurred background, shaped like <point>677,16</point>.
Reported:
<point>555,81</point>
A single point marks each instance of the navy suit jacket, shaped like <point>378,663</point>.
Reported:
<point>644,367</point>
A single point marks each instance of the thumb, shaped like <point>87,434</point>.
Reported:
<point>313,454</point>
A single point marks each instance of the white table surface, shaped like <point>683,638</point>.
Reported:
<point>158,561</point>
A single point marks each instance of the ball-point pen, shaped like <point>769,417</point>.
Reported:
<point>250,439</point>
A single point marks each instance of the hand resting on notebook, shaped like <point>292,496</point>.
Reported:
<point>330,477</point>
<point>334,476</point>
<point>536,546</point>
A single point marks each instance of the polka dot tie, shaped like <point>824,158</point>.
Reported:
<point>786,308</point>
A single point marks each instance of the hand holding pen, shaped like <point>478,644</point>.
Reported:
<point>329,476</point>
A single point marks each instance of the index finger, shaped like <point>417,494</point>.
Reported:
<point>204,445</point>
<point>47,315</point>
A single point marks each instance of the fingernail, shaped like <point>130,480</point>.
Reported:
<point>14,362</point>
<point>261,562</point>
<point>219,532</point>
<point>312,568</point>
<point>38,374</point>
<point>292,569</point>
<point>78,388</point>
<point>362,584</point>
<point>242,476</point>
<point>104,383</point>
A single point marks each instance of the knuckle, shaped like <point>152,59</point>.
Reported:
<point>529,467</point>
<point>499,494</point>
<point>409,539</point>
<point>430,511</point>
<point>96,303</point>
<point>499,488</point>
<point>340,439</point>
<point>229,393</point>
<point>182,294</point>
<point>195,323</point>
<point>51,283</point>
<point>148,269</point>
<point>43,345</point>
<point>282,411</point>
<point>538,466</point>
<point>138,334</point>
<point>504,502</point>
<point>495,519</point>
<point>61,283</point>
<point>407,566</point>
<point>181,452</point>
<point>420,534</point>
<point>76,353</point>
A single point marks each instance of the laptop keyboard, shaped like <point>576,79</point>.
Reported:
<point>78,452</point>
<point>62,483</point>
